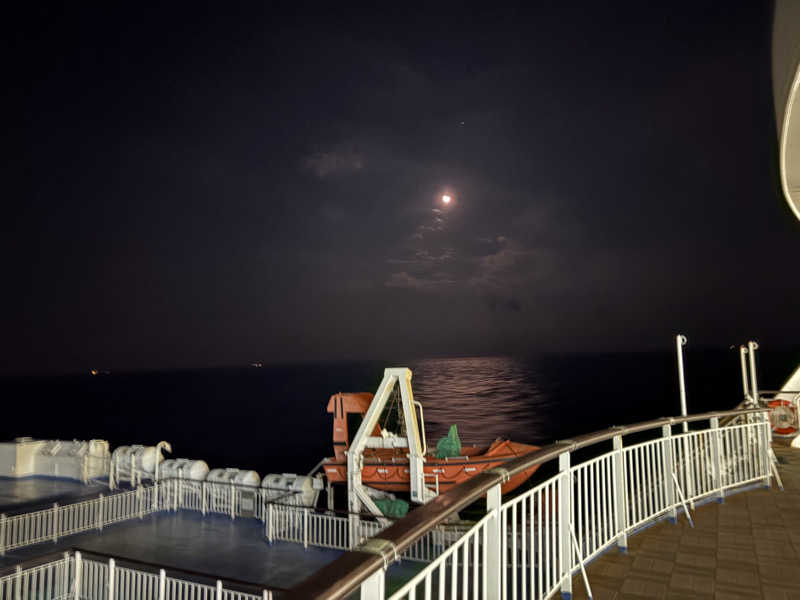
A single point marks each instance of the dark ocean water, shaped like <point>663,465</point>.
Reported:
<point>273,419</point>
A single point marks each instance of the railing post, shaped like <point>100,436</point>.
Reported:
<point>111,578</point>
<point>716,463</point>
<point>219,590</point>
<point>3,519</point>
<point>18,583</point>
<point>765,454</point>
<point>494,544</point>
<point>620,495</point>
<point>203,500</point>
<point>565,550</point>
<point>669,468</point>
<point>233,502</point>
<point>55,522</point>
<point>688,469</point>
<point>65,577</point>
<point>174,484</point>
<point>305,528</point>
<point>269,523</point>
<point>374,586</point>
<point>100,513</point>
<point>78,576</point>
<point>162,584</point>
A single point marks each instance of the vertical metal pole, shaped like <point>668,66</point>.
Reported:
<point>219,590</point>
<point>305,528</point>
<point>716,464</point>
<point>765,454</point>
<point>668,482</point>
<point>111,579</point>
<point>78,576</point>
<point>494,544</point>
<point>55,522</point>
<point>745,380</point>
<point>3,534</point>
<point>65,577</point>
<point>374,586</point>
<point>565,550</point>
<point>203,494</point>
<point>179,500</point>
<point>680,342</point>
<point>162,584</point>
<point>233,501</point>
<point>620,495</point>
<point>100,513</point>
<point>18,583</point>
<point>269,522</point>
<point>752,347</point>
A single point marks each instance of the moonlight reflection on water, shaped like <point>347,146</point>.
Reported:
<point>487,397</point>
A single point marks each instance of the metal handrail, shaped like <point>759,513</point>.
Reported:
<point>141,565</point>
<point>255,488</point>
<point>344,575</point>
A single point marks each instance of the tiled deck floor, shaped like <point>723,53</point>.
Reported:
<point>747,547</point>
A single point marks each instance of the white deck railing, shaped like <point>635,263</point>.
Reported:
<point>326,530</point>
<point>532,545</point>
<point>547,534</point>
<point>288,522</point>
<point>528,547</point>
<point>77,578</point>
<point>282,522</point>
<point>56,522</point>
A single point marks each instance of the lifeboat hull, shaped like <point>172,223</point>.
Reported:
<point>388,470</point>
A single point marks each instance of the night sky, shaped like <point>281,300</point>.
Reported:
<point>211,186</point>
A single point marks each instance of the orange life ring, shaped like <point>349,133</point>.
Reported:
<point>783,417</point>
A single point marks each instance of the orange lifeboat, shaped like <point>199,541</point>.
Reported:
<point>387,469</point>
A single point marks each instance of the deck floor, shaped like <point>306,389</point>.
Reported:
<point>746,547</point>
<point>30,493</point>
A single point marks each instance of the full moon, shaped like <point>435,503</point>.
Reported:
<point>446,199</point>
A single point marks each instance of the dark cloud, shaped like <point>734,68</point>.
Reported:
<point>334,162</point>
<point>496,304</point>
<point>192,188</point>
